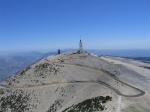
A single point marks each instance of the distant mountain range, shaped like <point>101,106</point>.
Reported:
<point>143,59</point>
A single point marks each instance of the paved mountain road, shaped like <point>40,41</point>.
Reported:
<point>141,92</point>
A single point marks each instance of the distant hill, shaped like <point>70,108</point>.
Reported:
<point>123,53</point>
<point>11,64</point>
<point>143,59</point>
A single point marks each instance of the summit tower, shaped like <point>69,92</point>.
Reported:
<point>80,46</point>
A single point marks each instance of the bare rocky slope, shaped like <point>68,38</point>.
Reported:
<point>73,82</point>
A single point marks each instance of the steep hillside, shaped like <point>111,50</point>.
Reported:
<point>78,82</point>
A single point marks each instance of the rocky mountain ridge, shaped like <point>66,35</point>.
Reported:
<point>78,82</point>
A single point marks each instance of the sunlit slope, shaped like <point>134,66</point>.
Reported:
<point>76,82</point>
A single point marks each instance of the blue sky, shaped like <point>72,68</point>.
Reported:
<point>52,24</point>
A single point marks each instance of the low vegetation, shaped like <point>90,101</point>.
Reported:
<point>1,91</point>
<point>57,104</point>
<point>47,68</point>
<point>16,101</point>
<point>23,71</point>
<point>90,105</point>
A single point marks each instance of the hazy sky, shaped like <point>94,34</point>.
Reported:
<point>52,24</point>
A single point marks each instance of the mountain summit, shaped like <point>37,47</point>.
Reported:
<point>78,82</point>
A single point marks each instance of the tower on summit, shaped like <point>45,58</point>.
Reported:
<point>80,46</point>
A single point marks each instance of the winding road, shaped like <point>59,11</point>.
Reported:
<point>141,92</point>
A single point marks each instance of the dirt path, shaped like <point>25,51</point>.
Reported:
<point>115,78</point>
<point>73,82</point>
